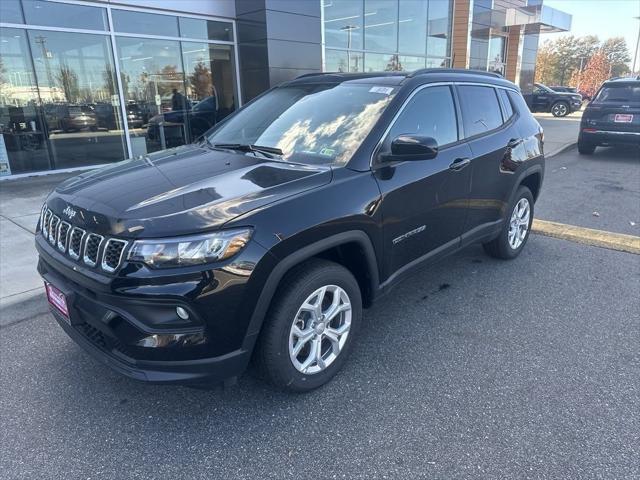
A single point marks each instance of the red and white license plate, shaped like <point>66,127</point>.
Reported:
<point>57,299</point>
<point>623,118</point>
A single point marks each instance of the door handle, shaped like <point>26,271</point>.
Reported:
<point>459,163</point>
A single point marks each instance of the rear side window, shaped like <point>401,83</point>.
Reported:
<point>480,109</point>
<point>506,104</point>
<point>431,112</point>
<point>518,101</point>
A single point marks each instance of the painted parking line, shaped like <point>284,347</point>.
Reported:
<point>588,236</point>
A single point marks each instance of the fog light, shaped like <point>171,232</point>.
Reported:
<point>182,313</point>
<point>171,340</point>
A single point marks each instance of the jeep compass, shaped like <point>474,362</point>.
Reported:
<point>264,241</point>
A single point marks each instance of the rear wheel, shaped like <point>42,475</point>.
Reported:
<point>310,328</point>
<point>516,227</point>
<point>585,148</point>
<point>560,109</point>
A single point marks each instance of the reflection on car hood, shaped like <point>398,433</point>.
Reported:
<point>179,192</point>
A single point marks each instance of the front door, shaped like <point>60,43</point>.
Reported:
<point>424,202</point>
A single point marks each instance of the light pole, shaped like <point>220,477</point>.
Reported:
<point>348,29</point>
<point>635,55</point>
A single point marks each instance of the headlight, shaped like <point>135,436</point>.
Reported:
<point>183,251</point>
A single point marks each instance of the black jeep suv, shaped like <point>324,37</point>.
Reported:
<point>613,117</point>
<point>560,104</point>
<point>266,240</point>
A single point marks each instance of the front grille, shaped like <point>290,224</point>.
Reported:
<point>92,249</point>
<point>75,242</point>
<point>63,236</point>
<point>82,246</point>
<point>113,251</point>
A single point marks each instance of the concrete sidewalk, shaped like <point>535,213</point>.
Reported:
<point>560,133</point>
<point>20,284</point>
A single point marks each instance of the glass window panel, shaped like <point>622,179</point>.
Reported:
<point>381,62</point>
<point>430,112</point>
<point>337,61</point>
<point>206,29</point>
<point>409,64</point>
<point>438,28</point>
<point>412,34</point>
<point>79,95</point>
<point>146,23</point>
<point>497,54</point>
<point>154,85</point>
<point>381,25</point>
<point>480,109</point>
<point>506,103</point>
<point>23,132</point>
<point>54,14</point>
<point>343,25</point>
<point>438,63</point>
<point>210,86</point>
<point>10,12</point>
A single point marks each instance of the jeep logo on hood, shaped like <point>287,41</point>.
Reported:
<point>69,212</point>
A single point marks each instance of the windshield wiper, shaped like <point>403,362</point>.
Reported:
<point>269,152</point>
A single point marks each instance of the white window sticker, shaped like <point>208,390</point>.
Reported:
<point>383,90</point>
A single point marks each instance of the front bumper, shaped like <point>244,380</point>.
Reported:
<point>110,315</point>
<point>608,137</point>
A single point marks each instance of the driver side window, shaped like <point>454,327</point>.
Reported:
<point>431,112</point>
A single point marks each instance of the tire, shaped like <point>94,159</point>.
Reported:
<point>560,109</point>
<point>274,356</point>
<point>586,148</point>
<point>503,246</point>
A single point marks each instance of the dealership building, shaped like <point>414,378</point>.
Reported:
<point>85,83</point>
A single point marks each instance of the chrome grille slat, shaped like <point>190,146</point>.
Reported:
<point>75,242</point>
<point>63,236</point>
<point>92,249</point>
<point>80,245</point>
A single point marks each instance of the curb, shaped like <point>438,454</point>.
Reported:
<point>562,149</point>
<point>22,306</point>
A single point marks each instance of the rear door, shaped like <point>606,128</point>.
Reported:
<point>541,99</point>
<point>491,136</point>
<point>424,202</point>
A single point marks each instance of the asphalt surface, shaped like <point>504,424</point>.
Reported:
<point>475,368</point>
<point>600,191</point>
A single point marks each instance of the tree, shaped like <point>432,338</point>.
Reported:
<point>595,73</point>
<point>200,80</point>
<point>68,80</point>
<point>617,53</point>
<point>394,64</point>
<point>545,64</point>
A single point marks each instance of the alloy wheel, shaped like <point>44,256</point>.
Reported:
<point>519,223</point>
<point>559,110</point>
<point>320,329</point>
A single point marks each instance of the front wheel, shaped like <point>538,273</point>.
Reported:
<point>516,227</point>
<point>560,109</point>
<point>311,326</point>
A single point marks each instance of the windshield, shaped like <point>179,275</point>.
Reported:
<point>619,93</point>
<point>320,124</point>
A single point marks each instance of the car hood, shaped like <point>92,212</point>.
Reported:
<point>181,191</point>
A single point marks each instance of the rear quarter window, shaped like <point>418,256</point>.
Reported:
<point>480,109</point>
<point>507,108</point>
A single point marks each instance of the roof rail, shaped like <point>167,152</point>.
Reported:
<point>423,71</point>
<point>314,74</point>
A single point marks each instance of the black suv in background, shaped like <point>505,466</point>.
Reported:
<point>560,104</point>
<point>613,117</point>
<point>268,238</point>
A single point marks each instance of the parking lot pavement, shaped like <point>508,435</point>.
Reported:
<point>559,132</point>
<point>474,368</point>
<point>600,191</point>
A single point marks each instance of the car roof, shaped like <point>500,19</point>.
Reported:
<point>399,78</point>
<point>623,81</point>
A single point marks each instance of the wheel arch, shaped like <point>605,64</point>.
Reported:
<point>352,249</point>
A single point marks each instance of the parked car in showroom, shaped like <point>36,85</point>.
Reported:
<point>266,240</point>
<point>613,117</point>
<point>184,125</point>
<point>559,104</point>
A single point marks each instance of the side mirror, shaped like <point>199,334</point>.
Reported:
<point>413,147</point>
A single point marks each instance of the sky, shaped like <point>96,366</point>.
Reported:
<point>604,18</point>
